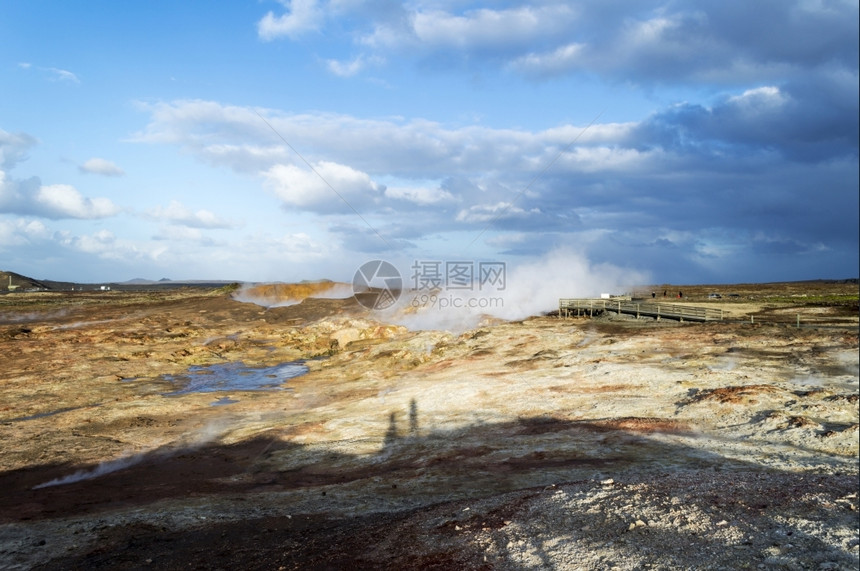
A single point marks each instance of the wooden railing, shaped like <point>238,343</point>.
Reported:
<point>570,307</point>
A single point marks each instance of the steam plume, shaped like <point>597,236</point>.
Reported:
<point>532,288</point>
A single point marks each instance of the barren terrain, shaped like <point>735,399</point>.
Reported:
<point>130,436</point>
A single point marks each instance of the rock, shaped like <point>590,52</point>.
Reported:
<point>346,336</point>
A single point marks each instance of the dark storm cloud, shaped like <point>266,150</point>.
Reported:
<point>803,122</point>
<point>718,42</point>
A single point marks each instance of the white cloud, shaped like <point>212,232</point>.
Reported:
<point>238,138</point>
<point>63,75</point>
<point>21,231</point>
<point>420,195</point>
<point>246,157</point>
<point>332,188</point>
<point>346,68</point>
<point>761,98</point>
<point>101,242</point>
<point>101,166</point>
<point>31,197</point>
<point>559,60</point>
<point>121,254</point>
<point>487,27</point>
<point>177,214</point>
<point>687,168</point>
<point>64,201</point>
<point>51,73</point>
<point>426,27</point>
<point>13,148</point>
<point>607,159</point>
<point>491,212</point>
<point>180,121</point>
<point>50,201</point>
<point>301,16</point>
<point>177,234</point>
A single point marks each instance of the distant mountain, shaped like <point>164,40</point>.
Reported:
<point>20,283</point>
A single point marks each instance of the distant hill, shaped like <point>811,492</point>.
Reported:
<point>21,283</point>
<point>10,281</point>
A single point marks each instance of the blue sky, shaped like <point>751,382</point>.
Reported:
<point>677,141</point>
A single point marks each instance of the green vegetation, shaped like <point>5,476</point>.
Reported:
<point>821,300</point>
<point>227,289</point>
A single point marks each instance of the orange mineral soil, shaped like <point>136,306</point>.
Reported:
<point>133,435</point>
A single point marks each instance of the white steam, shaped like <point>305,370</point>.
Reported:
<point>100,470</point>
<point>9,317</point>
<point>531,288</point>
<point>536,287</point>
<point>210,432</point>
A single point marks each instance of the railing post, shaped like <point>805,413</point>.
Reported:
<point>658,312</point>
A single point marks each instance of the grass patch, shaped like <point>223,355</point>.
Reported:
<point>229,288</point>
<point>816,300</point>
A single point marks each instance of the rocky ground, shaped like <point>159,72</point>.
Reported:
<point>542,444</point>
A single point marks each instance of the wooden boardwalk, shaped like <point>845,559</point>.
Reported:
<point>571,307</point>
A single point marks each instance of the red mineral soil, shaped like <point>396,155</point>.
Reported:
<point>169,430</point>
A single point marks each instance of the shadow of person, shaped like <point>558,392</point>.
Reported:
<point>413,418</point>
<point>712,510</point>
<point>391,435</point>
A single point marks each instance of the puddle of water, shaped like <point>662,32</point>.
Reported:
<point>222,401</point>
<point>235,377</point>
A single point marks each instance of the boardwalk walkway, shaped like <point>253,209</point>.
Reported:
<point>571,307</point>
